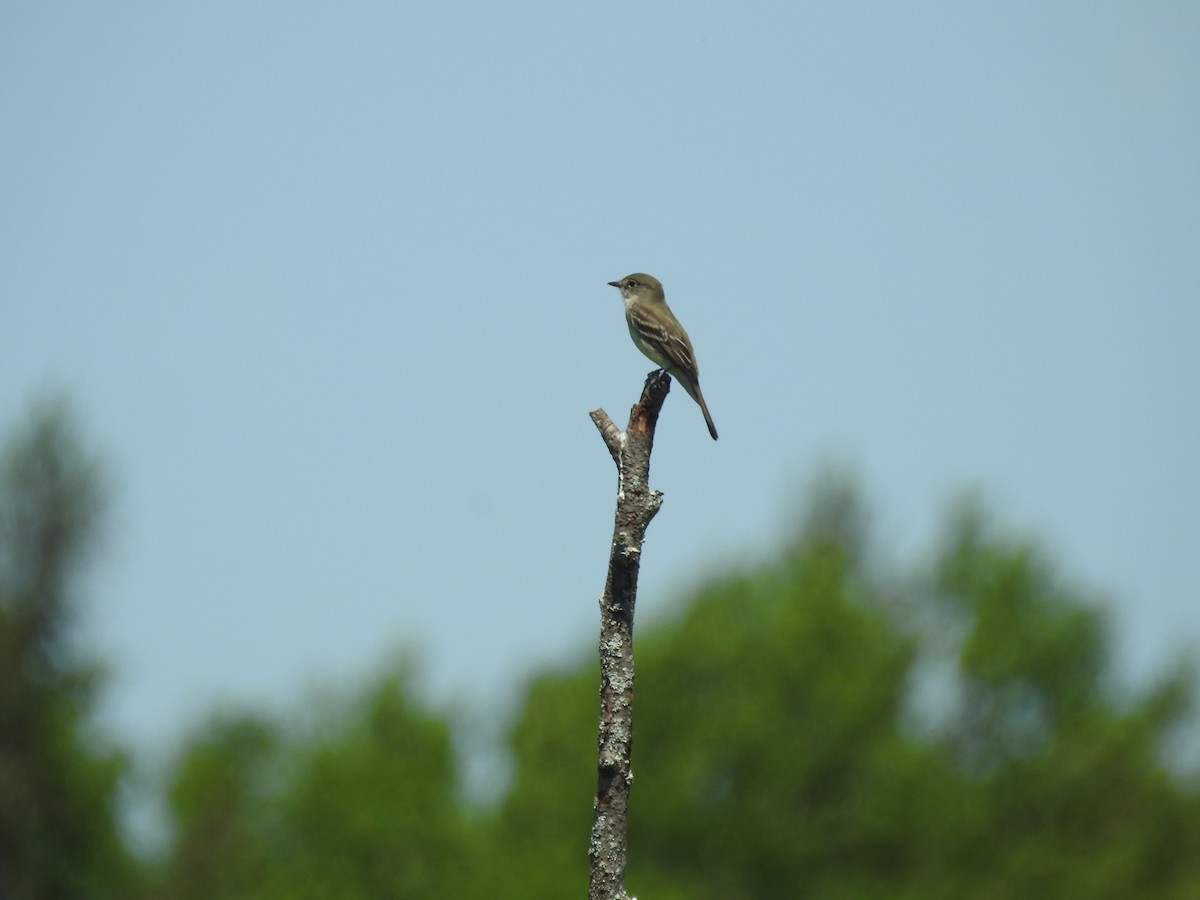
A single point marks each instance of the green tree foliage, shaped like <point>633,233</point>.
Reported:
<point>58,834</point>
<point>780,749</point>
<point>363,804</point>
<point>1073,781</point>
<point>220,801</point>
<point>542,826</point>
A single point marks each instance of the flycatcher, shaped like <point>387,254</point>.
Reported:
<point>659,335</point>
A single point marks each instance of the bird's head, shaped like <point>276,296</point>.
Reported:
<point>639,286</point>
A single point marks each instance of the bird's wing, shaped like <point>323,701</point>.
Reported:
<point>677,351</point>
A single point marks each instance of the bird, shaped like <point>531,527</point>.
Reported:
<point>658,334</point>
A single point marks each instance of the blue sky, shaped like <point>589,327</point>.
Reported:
<point>327,285</point>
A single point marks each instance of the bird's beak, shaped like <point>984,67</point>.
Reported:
<point>615,284</point>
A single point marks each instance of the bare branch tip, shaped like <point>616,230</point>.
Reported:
<point>613,437</point>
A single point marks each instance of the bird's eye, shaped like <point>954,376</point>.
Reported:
<point>632,283</point>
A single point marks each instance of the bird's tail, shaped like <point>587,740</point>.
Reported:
<point>693,389</point>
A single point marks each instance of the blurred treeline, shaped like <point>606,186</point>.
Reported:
<point>819,726</point>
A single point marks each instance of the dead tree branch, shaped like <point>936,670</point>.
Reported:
<point>636,506</point>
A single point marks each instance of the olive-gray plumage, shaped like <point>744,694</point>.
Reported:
<point>658,334</point>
